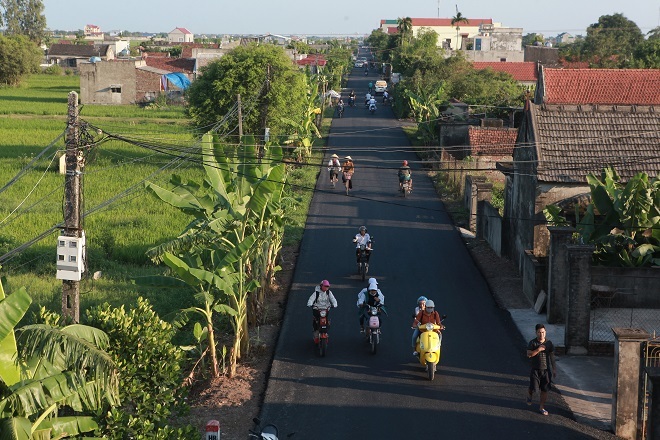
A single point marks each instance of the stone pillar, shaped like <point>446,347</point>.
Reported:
<point>472,185</point>
<point>653,422</point>
<point>627,379</point>
<point>557,287</point>
<point>578,306</point>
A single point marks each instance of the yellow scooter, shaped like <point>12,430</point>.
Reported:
<point>429,344</point>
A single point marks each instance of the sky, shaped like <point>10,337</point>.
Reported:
<point>336,17</point>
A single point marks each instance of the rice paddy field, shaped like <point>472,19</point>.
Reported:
<point>122,220</point>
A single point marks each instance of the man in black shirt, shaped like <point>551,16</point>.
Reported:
<point>541,351</point>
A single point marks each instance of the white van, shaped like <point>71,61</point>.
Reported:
<point>380,87</point>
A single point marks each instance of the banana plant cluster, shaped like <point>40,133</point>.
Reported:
<point>622,220</point>
<point>45,368</point>
<point>426,107</point>
<point>227,253</point>
<point>301,139</point>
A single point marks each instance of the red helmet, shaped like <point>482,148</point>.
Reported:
<point>405,163</point>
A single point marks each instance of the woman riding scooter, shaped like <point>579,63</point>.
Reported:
<point>426,315</point>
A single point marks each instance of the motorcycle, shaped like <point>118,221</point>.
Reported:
<point>405,186</point>
<point>366,72</point>
<point>340,111</point>
<point>267,432</point>
<point>363,264</point>
<point>372,331</point>
<point>372,108</point>
<point>321,334</point>
<point>351,101</point>
<point>429,343</point>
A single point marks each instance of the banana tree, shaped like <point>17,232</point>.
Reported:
<point>622,220</point>
<point>304,130</point>
<point>47,368</point>
<point>426,107</point>
<point>238,203</point>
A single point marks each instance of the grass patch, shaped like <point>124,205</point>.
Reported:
<point>118,235</point>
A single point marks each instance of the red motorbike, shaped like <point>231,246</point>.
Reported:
<point>321,334</point>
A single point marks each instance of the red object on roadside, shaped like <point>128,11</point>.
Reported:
<point>212,430</point>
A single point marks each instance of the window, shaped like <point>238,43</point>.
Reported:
<point>115,88</point>
<point>73,244</point>
<point>60,257</point>
<point>61,243</point>
<point>72,258</point>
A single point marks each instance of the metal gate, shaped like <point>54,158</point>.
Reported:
<point>651,359</point>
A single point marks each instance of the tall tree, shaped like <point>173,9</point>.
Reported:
<point>404,26</point>
<point>456,21</point>
<point>18,57</point>
<point>24,17</point>
<point>611,42</point>
<point>244,70</point>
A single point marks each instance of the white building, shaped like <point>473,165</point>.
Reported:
<point>180,35</point>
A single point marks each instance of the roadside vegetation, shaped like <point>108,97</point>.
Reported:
<point>186,280</point>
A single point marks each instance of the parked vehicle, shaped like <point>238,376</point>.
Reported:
<point>372,321</point>
<point>267,432</point>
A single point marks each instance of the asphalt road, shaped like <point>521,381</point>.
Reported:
<point>479,390</point>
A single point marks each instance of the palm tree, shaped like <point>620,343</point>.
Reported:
<point>404,27</point>
<point>456,21</point>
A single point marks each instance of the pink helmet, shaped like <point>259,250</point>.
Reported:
<point>325,283</point>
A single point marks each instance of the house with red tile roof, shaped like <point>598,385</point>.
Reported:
<point>492,141</point>
<point>180,35</point>
<point>581,121</point>
<point>525,73</point>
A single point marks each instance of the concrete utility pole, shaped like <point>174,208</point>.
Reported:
<point>264,114</point>
<point>240,119</point>
<point>72,196</point>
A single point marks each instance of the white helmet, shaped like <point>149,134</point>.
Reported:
<point>430,304</point>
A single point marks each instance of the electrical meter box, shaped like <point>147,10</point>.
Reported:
<point>70,257</point>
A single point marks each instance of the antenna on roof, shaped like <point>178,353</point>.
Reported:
<point>438,8</point>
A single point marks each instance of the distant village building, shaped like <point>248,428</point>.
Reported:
<point>481,39</point>
<point>180,35</point>
<point>92,30</point>
<point>565,38</point>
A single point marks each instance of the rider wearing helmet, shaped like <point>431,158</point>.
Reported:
<point>321,299</point>
<point>421,305</point>
<point>428,315</point>
<point>362,238</point>
<point>369,296</point>
<point>405,174</point>
<point>347,170</point>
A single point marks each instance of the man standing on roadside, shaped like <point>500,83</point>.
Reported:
<point>542,353</point>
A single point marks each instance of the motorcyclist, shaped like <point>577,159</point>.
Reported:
<point>405,174</point>
<point>366,71</point>
<point>351,98</point>
<point>321,299</point>
<point>372,103</point>
<point>371,86</point>
<point>362,238</point>
<point>372,297</point>
<point>421,306</point>
<point>340,107</point>
<point>428,315</point>
<point>348,168</point>
<point>367,98</point>
<point>334,167</point>
<point>386,97</point>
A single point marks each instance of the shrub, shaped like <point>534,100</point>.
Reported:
<point>53,69</point>
<point>150,373</point>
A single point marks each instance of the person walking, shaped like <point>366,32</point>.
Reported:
<point>541,351</point>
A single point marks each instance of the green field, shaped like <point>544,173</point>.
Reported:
<point>31,119</point>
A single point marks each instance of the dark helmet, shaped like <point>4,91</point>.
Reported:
<point>363,228</point>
